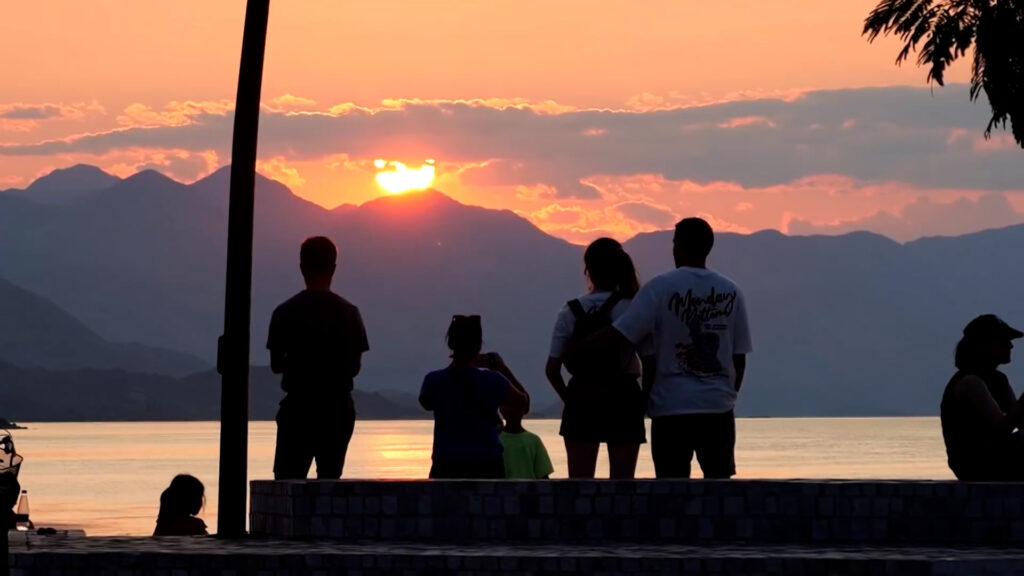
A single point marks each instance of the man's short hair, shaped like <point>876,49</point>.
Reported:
<point>318,255</point>
<point>695,235</point>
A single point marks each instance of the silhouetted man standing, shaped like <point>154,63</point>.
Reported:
<point>316,342</point>
<point>699,323</point>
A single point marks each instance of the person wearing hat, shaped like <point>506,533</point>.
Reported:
<point>981,416</point>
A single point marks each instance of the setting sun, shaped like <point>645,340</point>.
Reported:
<point>396,178</point>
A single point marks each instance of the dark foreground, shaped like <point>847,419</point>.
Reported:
<point>208,556</point>
<point>580,527</point>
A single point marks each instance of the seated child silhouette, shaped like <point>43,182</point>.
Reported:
<point>179,504</point>
<point>525,455</point>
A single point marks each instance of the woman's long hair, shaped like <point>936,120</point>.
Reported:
<point>184,497</point>
<point>972,355</point>
<point>465,337</point>
<point>610,268</point>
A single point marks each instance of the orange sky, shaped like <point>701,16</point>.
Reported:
<point>577,52</point>
<point>120,64</point>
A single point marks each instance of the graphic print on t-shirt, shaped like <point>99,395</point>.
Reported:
<point>699,356</point>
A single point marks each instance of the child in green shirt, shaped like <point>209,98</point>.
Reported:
<point>525,455</point>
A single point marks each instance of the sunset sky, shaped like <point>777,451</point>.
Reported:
<point>588,118</point>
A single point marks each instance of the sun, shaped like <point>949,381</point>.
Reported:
<point>395,178</point>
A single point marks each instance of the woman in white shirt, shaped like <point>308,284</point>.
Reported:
<point>604,402</point>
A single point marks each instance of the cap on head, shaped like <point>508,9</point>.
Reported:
<point>695,236</point>
<point>991,327</point>
<point>318,256</point>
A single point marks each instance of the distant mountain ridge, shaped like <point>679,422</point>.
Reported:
<point>843,325</point>
<point>70,396</point>
<point>35,333</point>
<point>67,185</point>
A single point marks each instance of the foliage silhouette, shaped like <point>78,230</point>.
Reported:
<point>941,31</point>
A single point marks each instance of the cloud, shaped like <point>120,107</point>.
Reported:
<point>174,114</point>
<point>289,103</point>
<point>645,213</point>
<point>25,117</point>
<point>818,204</point>
<point>582,221</point>
<point>899,160</point>
<point>182,165</point>
<point>536,192</point>
<point>48,111</point>
<point>10,181</point>
<point>926,217</point>
<point>745,121</point>
<point>32,112</point>
<point>535,176</point>
<point>891,134</point>
<point>278,169</point>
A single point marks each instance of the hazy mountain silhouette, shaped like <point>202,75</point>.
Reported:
<point>67,185</point>
<point>44,395</point>
<point>35,332</point>
<point>855,324</point>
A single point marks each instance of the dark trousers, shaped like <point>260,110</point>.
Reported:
<point>308,433</point>
<point>485,469</point>
<point>675,439</point>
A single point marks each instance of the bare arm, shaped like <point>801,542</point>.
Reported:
<point>650,367</point>
<point>553,370</point>
<point>739,364</point>
<point>505,371</point>
<point>494,361</point>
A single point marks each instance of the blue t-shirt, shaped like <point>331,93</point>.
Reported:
<point>465,403</point>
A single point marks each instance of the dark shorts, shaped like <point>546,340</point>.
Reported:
<point>484,469</point>
<point>604,411</point>
<point>313,432</point>
<point>675,439</point>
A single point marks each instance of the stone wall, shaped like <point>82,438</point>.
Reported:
<point>571,528</point>
<point>697,511</point>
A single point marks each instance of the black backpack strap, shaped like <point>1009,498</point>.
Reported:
<point>576,308</point>
<point>605,310</point>
<point>609,304</point>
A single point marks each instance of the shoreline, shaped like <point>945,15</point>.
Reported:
<point>428,418</point>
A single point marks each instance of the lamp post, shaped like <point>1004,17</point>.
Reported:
<point>233,345</point>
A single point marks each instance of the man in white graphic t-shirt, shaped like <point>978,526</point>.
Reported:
<point>698,321</point>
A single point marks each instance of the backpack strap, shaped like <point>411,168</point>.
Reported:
<point>605,310</point>
<point>576,308</point>
<point>609,304</point>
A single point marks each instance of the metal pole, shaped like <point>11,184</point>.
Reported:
<point>233,346</point>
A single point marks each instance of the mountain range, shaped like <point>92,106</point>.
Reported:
<point>37,395</point>
<point>36,333</point>
<point>843,325</point>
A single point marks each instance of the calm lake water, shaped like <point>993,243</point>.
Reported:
<point>107,477</point>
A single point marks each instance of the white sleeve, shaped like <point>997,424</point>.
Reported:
<point>639,320</point>
<point>564,325</point>
<point>644,347</point>
<point>741,343</point>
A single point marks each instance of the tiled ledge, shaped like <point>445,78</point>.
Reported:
<point>697,511</point>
